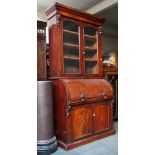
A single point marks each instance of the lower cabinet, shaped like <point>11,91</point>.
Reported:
<point>83,111</point>
<point>90,119</point>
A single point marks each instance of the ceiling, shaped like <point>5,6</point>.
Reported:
<point>78,4</point>
<point>110,15</point>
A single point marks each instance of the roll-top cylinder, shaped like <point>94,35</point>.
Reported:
<point>87,90</point>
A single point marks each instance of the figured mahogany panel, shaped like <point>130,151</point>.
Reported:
<point>81,122</point>
<point>101,117</point>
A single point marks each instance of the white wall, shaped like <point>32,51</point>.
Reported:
<point>41,16</point>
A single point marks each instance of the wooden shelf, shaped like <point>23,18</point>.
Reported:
<point>71,32</point>
<point>71,58</point>
<point>70,45</point>
<point>91,60</point>
<point>89,36</point>
<point>90,48</point>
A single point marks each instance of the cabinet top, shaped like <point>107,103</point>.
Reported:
<point>67,11</point>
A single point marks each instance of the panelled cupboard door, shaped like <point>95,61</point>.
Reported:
<point>81,126</point>
<point>82,48</point>
<point>102,119</point>
<point>90,119</point>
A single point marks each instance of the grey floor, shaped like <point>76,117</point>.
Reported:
<point>105,146</point>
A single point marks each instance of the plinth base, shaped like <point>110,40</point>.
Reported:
<point>46,147</point>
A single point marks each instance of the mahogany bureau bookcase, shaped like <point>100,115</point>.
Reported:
<point>82,98</point>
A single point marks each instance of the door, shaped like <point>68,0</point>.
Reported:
<point>71,47</point>
<point>102,117</point>
<point>92,51</point>
<point>81,122</point>
<point>82,49</point>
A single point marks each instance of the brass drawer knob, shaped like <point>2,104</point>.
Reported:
<point>82,96</point>
<point>103,94</point>
<point>105,97</point>
<point>82,100</point>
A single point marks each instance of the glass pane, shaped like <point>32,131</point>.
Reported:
<point>90,31</point>
<point>91,67</point>
<point>90,54</point>
<point>91,50</point>
<point>70,38</point>
<point>67,25</point>
<point>71,48</point>
<point>71,66</point>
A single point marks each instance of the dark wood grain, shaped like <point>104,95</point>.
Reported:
<point>41,51</point>
<point>81,122</point>
<point>101,117</point>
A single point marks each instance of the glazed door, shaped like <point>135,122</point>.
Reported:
<point>82,48</point>
<point>71,47</point>
<point>92,51</point>
<point>102,119</point>
<point>81,118</point>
